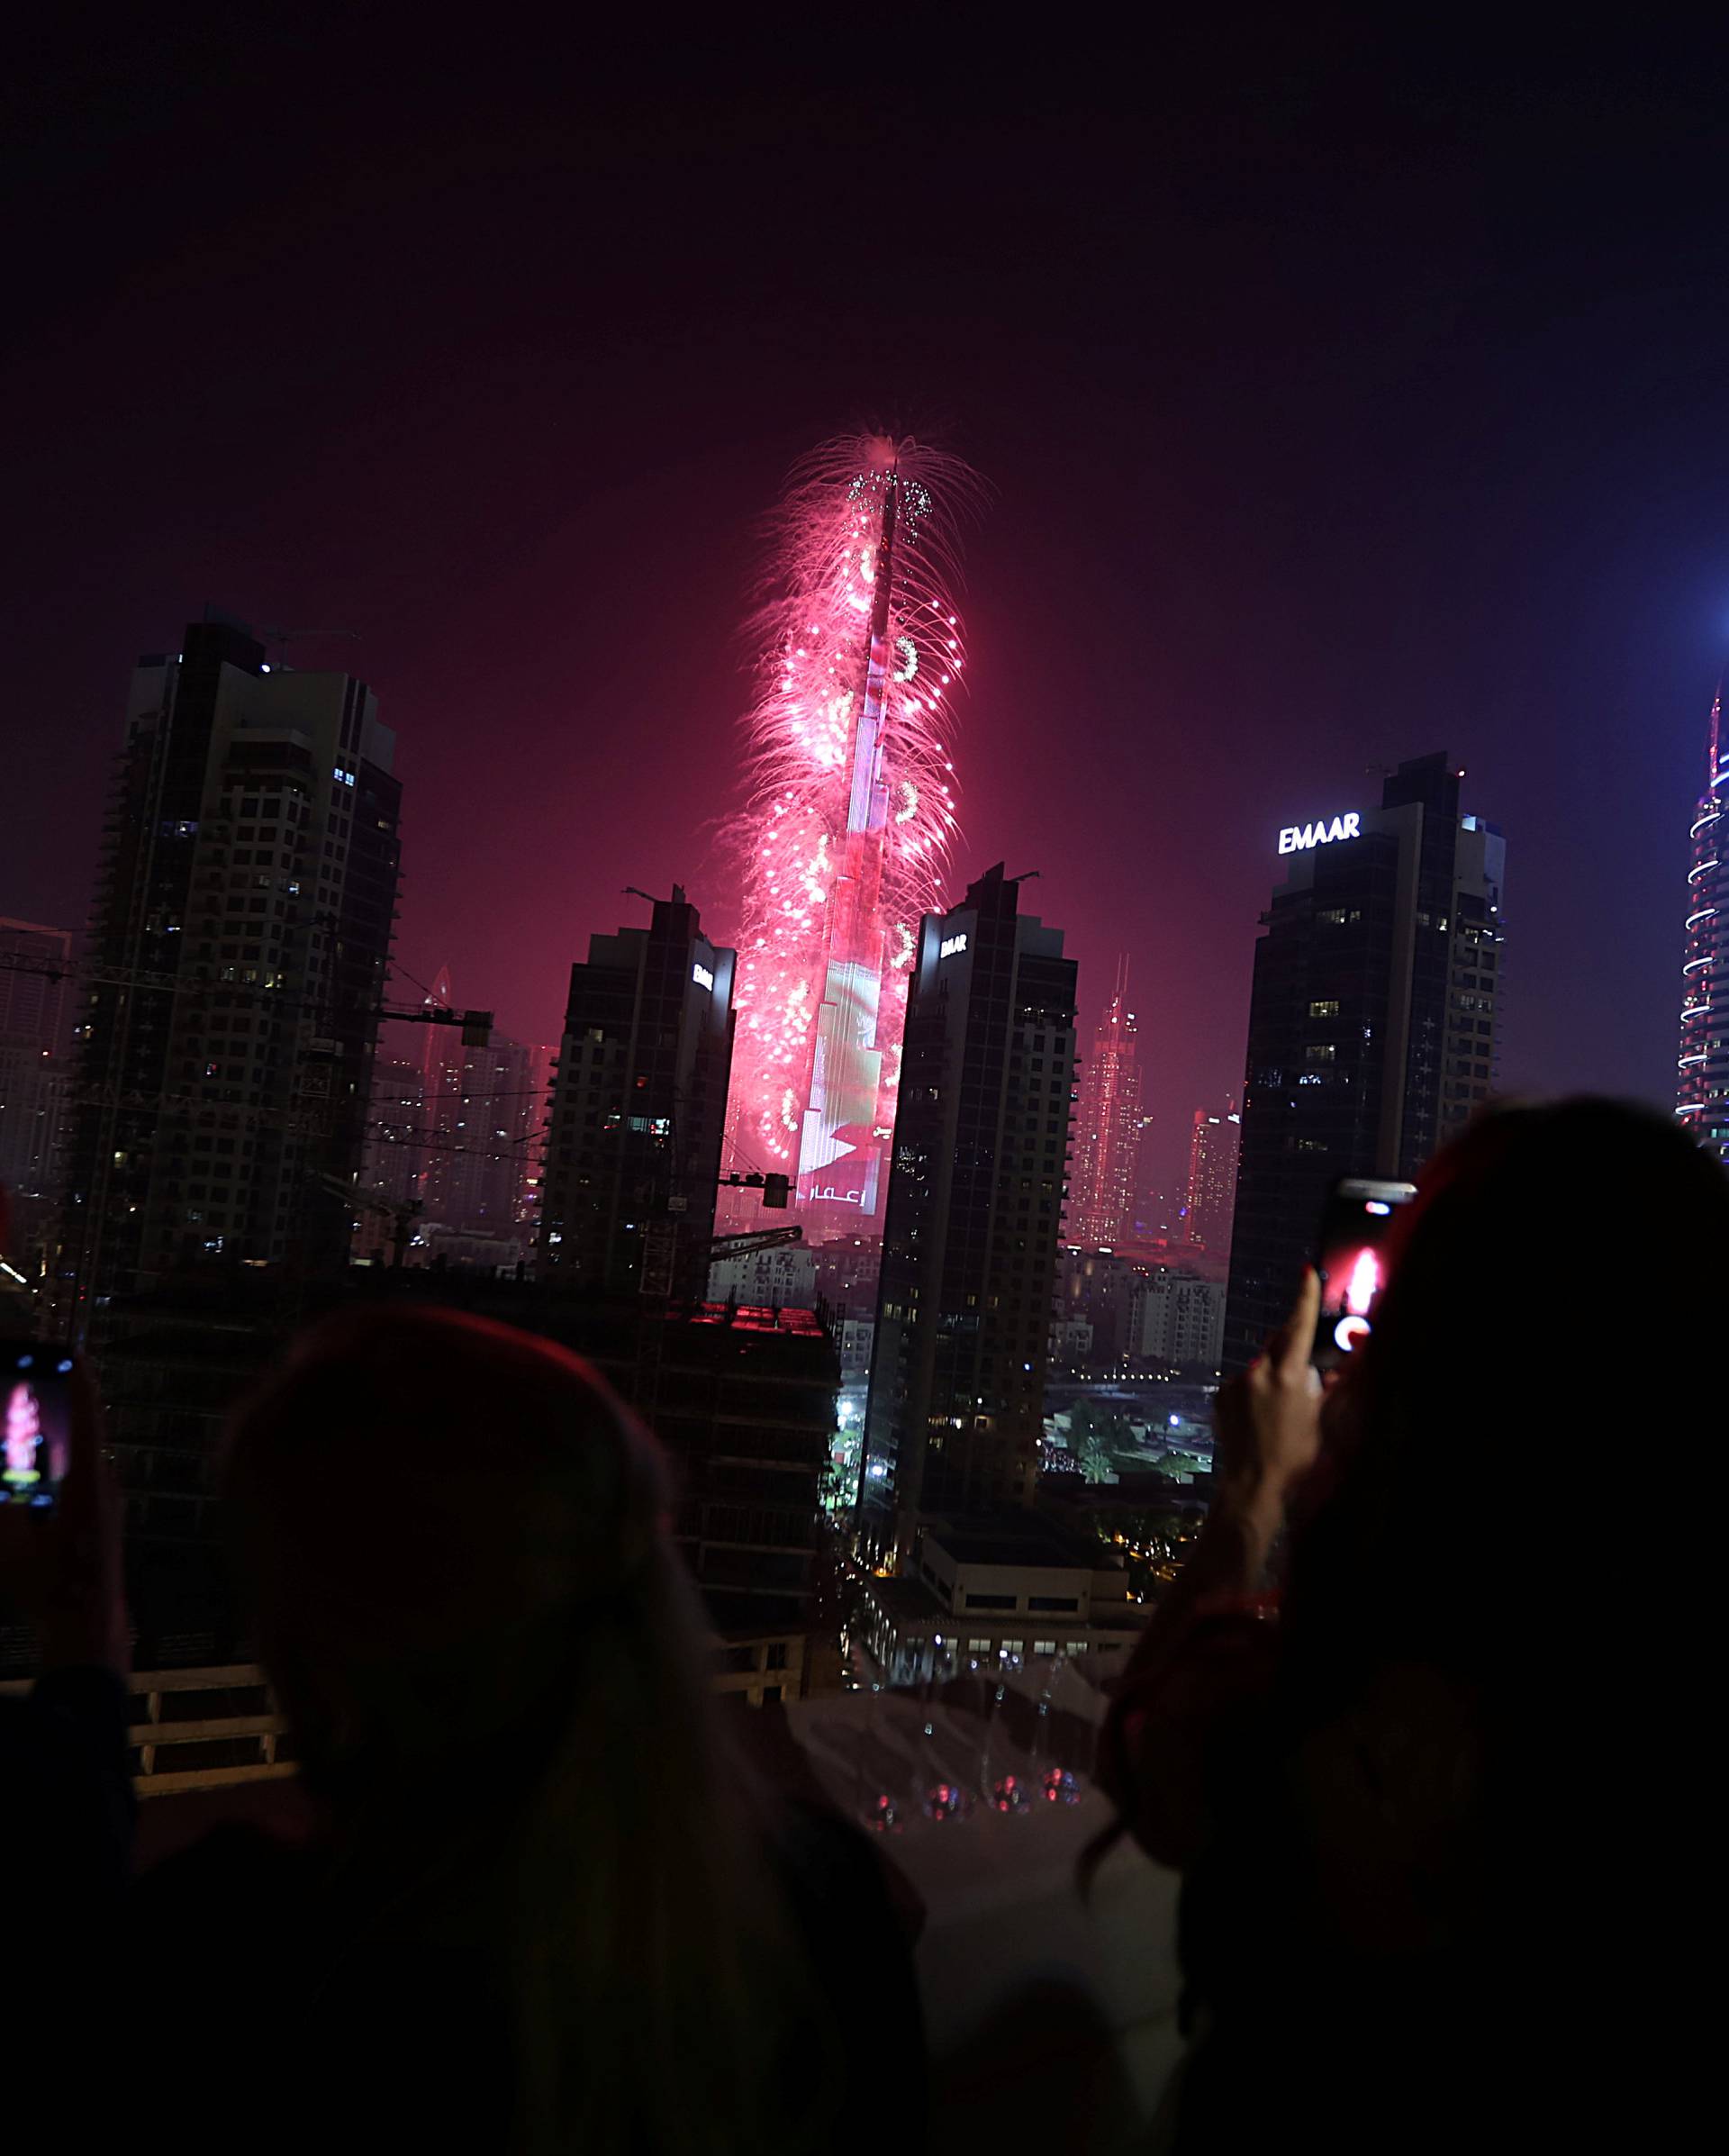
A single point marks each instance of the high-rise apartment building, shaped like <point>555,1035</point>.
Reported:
<point>1373,1021</point>
<point>1178,1322</point>
<point>1213,1146</point>
<point>239,940</point>
<point>638,1110</point>
<point>1702,1071</point>
<point>35,1031</point>
<point>392,1169</point>
<point>1107,1130</point>
<point>975,1202</point>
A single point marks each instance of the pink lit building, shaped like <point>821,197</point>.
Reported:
<point>1108,1130</point>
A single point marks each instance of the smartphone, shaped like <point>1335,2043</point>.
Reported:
<point>1349,1258</point>
<point>35,1422</point>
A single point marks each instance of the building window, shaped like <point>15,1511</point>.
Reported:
<point>1328,1007</point>
<point>1044,1646</point>
<point>978,1646</point>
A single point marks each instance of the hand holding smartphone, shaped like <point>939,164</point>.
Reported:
<point>35,1424</point>
<point>1350,1258</point>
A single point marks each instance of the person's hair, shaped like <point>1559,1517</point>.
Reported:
<point>1543,1349</point>
<point>494,1665</point>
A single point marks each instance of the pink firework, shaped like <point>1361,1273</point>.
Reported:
<point>844,838</point>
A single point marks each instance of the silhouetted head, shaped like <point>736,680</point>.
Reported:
<point>449,1528</point>
<point>1542,1351</point>
<point>497,1669</point>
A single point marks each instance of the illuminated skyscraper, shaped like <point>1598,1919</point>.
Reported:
<point>1107,1130</point>
<point>1372,1021</point>
<point>843,840</point>
<point>1213,1146</point>
<point>1702,1092</point>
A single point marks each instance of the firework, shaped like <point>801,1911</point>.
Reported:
<point>850,815</point>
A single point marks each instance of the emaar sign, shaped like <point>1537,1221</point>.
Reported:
<point>1297,838</point>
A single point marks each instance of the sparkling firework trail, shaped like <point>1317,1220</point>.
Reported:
<point>850,815</point>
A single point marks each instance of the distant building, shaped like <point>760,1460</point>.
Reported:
<point>35,1034</point>
<point>975,1200</point>
<point>1096,1289</point>
<point>240,936</point>
<point>543,1070</point>
<point>1702,1070</point>
<point>1213,1146</point>
<point>1108,1129</point>
<point>391,1167</point>
<point>1372,1021</point>
<point>633,1155</point>
<point>1178,1323</point>
<point>781,1279</point>
<point>994,1589</point>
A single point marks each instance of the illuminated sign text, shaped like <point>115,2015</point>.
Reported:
<point>950,945</point>
<point>702,976</point>
<point>1297,838</point>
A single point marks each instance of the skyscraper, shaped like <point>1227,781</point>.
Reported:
<point>1213,1146</point>
<point>35,1000</point>
<point>239,939</point>
<point>1107,1128</point>
<point>975,1202</point>
<point>849,824</point>
<point>1372,1020</point>
<point>479,1124</point>
<point>639,1110</point>
<point>1702,1090</point>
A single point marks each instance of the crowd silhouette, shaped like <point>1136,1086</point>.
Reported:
<point>1416,1723</point>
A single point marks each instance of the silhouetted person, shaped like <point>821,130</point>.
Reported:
<point>1441,1805</point>
<point>542,1904</point>
<point>66,1796</point>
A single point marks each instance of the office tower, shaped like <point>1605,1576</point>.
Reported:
<point>35,1001</point>
<point>639,1110</point>
<point>1107,1130</point>
<point>1213,1145</point>
<point>1372,1019</point>
<point>239,939</point>
<point>975,1201</point>
<point>1702,1089</point>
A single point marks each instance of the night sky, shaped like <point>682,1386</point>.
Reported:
<point>1341,401</point>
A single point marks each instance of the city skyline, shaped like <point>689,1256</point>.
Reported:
<point>1221,573</point>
